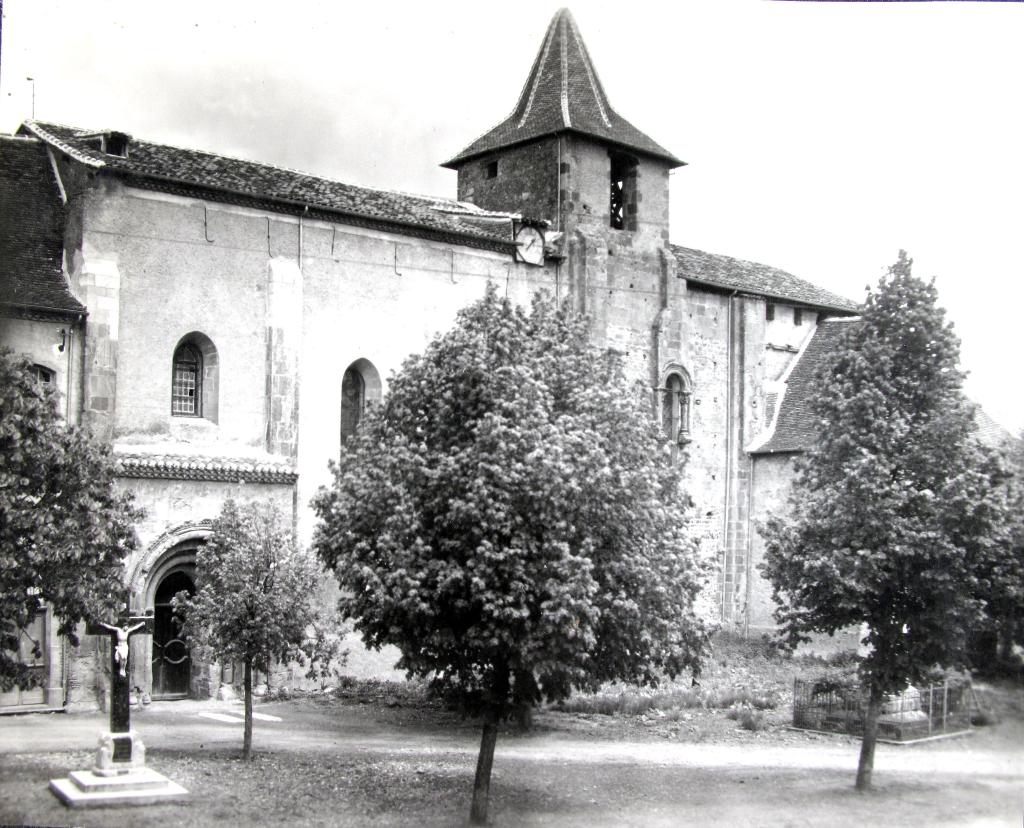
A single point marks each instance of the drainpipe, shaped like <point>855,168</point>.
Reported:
<point>82,380</point>
<point>730,360</point>
<point>68,367</point>
<point>656,328</point>
<point>750,533</point>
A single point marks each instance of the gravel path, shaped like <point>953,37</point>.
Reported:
<point>388,764</point>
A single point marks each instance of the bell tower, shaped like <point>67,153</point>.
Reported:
<point>566,156</point>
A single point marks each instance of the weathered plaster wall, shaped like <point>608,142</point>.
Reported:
<point>773,481</point>
<point>172,503</point>
<point>380,298</point>
<point>39,340</point>
<point>783,338</point>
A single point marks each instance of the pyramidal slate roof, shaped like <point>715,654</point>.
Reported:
<point>31,233</point>
<point>222,178</point>
<point>728,273</point>
<point>563,94</point>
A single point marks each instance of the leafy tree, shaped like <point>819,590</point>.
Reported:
<point>895,510</point>
<point>64,529</point>
<point>255,594</point>
<point>511,519</point>
<point>1002,574</point>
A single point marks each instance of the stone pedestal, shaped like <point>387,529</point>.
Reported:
<point>139,786</point>
<point>119,777</point>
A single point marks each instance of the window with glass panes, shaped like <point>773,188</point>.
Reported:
<point>186,384</point>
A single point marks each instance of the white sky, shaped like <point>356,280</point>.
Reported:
<point>821,137</point>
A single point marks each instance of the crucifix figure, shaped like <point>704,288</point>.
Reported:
<point>120,750</point>
<point>120,652</point>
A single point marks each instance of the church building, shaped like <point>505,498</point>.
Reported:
<point>223,324</point>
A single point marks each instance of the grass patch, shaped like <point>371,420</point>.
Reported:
<point>753,674</point>
<point>748,719</point>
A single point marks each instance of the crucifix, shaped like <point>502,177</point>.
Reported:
<point>120,775</point>
<point>120,750</point>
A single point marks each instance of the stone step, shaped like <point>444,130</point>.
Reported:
<point>84,789</point>
<point>138,779</point>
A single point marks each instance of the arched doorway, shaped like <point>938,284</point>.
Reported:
<point>171,658</point>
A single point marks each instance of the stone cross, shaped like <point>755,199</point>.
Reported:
<point>120,744</point>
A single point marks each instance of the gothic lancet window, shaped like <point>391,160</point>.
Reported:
<point>675,408</point>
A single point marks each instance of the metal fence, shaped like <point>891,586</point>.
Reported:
<point>916,713</point>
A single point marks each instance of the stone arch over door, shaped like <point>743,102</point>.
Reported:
<point>171,557</point>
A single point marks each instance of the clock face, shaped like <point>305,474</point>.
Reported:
<point>530,245</point>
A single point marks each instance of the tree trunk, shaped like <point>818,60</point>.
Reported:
<point>1005,636</point>
<point>247,738</point>
<point>867,745</point>
<point>482,782</point>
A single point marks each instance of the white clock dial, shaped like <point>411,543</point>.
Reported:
<point>530,245</point>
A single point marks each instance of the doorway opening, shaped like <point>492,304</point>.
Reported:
<point>172,659</point>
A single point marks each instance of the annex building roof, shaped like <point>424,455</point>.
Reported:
<point>563,94</point>
<point>223,178</point>
<point>728,273</point>
<point>31,233</point>
<point>794,428</point>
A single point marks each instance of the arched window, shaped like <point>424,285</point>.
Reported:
<point>194,378</point>
<point>675,407</point>
<point>360,388</point>
<point>187,390</point>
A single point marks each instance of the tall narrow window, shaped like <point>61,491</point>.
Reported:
<point>353,401</point>
<point>622,206</point>
<point>798,316</point>
<point>360,389</point>
<point>675,408</point>
<point>186,388</point>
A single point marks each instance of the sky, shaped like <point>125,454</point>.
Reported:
<point>821,138</point>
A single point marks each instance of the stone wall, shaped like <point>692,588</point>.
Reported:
<point>773,481</point>
<point>525,180</point>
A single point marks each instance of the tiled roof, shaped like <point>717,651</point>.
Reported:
<point>223,469</point>
<point>988,431</point>
<point>750,277</point>
<point>794,424</point>
<point>563,93</point>
<point>219,176</point>
<point>794,428</point>
<point>31,231</point>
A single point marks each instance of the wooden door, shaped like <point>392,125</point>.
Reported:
<point>172,661</point>
<point>31,652</point>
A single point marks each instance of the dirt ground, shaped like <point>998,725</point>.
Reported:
<point>388,759</point>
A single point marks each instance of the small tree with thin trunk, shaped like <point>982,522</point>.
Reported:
<point>65,530</point>
<point>896,508</point>
<point>511,520</point>
<point>255,594</point>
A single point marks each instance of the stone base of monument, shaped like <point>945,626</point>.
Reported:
<point>119,777</point>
